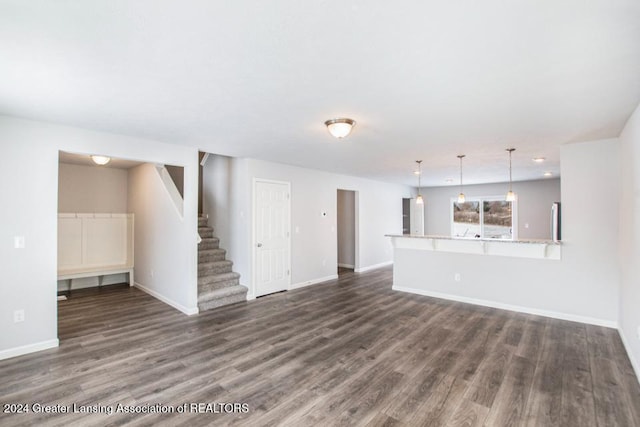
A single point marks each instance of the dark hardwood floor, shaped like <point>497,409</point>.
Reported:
<point>346,352</point>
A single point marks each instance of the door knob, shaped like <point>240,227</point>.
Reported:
<point>259,245</point>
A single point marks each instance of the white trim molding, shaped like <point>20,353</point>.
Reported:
<point>29,348</point>
<point>346,265</point>
<point>373,267</point>
<point>627,347</point>
<point>312,282</point>
<point>509,307</point>
<point>189,311</point>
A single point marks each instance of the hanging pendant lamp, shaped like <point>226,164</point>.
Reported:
<point>461,195</point>
<point>419,199</point>
<point>511,196</point>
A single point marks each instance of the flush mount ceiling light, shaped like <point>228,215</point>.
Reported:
<point>100,160</point>
<point>419,200</point>
<point>341,127</point>
<point>547,174</point>
<point>461,195</point>
<point>538,159</point>
<point>511,196</point>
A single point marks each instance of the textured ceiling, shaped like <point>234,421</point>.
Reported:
<point>424,80</point>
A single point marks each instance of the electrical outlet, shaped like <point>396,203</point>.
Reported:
<point>457,277</point>
<point>18,316</point>
<point>151,273</point>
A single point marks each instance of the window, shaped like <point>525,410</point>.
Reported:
<point>483,218</point>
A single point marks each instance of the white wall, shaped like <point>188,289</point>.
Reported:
<point>162,255</point>
<point>534,205</point>
<point>216,196</point>
<point>584,285</point>
<point>30,273</point>
<point>630,238</point>
<point>346,222</point>
<point>91,189</point>
<point>314,238</point>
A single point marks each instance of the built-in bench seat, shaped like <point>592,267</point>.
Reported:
<point>94,245</point>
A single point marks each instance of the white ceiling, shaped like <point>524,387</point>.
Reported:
<point>423,79</point>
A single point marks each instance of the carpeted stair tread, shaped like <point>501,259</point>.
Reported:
<point>223,277</point>
<point>205,232</point>
<point>209,243</point>
<point>222,297</point>
<point>211,255</point>
<point>214,268</point>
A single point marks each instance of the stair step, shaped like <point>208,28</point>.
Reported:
<point>217,281</point>
<point>205,232</point>
<point>202,221</point>
<point>221,297</point>
<point>211,255</point>
<point>214,268</point>
<point>209,243</point>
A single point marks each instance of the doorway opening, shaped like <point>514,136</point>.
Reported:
<point>102,209</point>
<point>346,219</point>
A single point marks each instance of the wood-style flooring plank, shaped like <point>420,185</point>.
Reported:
<point>349,351</point>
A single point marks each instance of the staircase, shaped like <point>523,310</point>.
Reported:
<point>218,285</point>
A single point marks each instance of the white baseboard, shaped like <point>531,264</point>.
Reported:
<point>373,267</point>
<point>30,348</point>
<point>189,311</point>
<point>632,359</point>
<point>312,282</point>
<point>517,308</point>
<point>345,265</point>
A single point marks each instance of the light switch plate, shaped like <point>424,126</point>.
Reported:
<point>18,242</point>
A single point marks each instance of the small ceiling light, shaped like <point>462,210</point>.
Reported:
<point>448,180</point>
<point>547,174</point>
<point>538,159</point>
<point>100,160</point>
<point>341,127</point>
<point>419,200</point>
<point>461,195</point>
<point>511,196</point>
<point>417,172</point>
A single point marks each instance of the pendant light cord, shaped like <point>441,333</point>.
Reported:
<point>460,174</point>
<point>419,174</point>
<point>510,180</point>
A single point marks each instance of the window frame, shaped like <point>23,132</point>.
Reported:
<point>481,200</point>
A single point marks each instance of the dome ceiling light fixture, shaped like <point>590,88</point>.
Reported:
<point>340,127</point>
<point>100,160</point>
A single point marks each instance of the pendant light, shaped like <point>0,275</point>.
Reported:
<point>511,196</point>
<point>461,195</point>
<point>419,200</point>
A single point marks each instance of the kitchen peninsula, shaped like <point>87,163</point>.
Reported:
<point>518,275</point>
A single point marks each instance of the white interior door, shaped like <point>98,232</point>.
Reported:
<point>272,237</point>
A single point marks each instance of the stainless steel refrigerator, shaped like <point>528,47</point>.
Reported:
<point>556,223</point>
